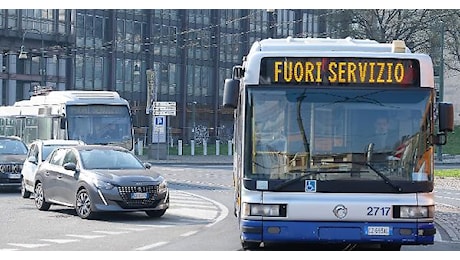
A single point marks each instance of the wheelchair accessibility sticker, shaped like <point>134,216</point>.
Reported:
<point>310,185</point>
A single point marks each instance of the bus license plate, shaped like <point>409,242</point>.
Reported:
<point>378,231</point>
<point>139,195</point>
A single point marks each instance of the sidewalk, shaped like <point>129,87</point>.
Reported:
<point>447,159</point>
<point>190,159</point>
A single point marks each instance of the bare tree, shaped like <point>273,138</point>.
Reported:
<point>422,30</point>
<point>451,25</point>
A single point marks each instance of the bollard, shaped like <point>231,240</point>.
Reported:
<point>205,147</point>
<point>179,147</point>
<point>217,147</point>
<point>230,147</point>
<point>140,147</point>
<point>192,144</point>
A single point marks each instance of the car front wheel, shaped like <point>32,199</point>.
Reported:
<point>39,198</point>
<point>83,204</point>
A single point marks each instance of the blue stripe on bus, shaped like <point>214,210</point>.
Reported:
<point>335,232</point>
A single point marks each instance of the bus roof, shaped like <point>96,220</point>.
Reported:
<point>55,101</point>
<point>328,47</point>
<point>73,97</point>
<point>325,45</point>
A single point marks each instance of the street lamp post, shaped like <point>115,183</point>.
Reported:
<point>272,22</point>
<point>41,65</point>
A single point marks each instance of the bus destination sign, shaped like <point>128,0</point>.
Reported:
<point>339,70</point>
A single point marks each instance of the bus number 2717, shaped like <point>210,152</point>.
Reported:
<point>378,211</point>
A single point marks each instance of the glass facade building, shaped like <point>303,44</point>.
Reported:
<point>190,53</point>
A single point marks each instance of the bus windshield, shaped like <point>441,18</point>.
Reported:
<point>100,124</point>
<point>341,134</point>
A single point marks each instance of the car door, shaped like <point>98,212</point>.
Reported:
<point>50,172</point>
<point>68,179</point>
<point>29,168</point>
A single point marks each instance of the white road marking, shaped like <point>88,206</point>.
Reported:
<point>147,247</point>
<point>184,204</point>
<point>28,245</point>
<point>189,234</point>
<point>85,236</point>
<point>155,226</point>
<point>133,229</point>
<point>110,232</point>
<point>60,241</point>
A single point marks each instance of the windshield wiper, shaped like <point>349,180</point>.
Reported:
<point>306,143</point>
<point>369,154</point>
<point>380,174</point>
<point>384,177</point>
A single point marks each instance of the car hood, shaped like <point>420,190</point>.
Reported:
<point>12,158</point>
<point>137,175</point>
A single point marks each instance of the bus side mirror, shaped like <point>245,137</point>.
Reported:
<point>231,92</point>
<point>446,117</point>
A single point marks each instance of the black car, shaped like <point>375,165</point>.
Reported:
<point>13,152</point>
<point>99,178</point>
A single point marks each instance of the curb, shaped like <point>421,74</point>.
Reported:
<point>446,222</point>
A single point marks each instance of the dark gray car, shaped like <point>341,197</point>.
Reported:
<point>97,178</point>
<point>13,152</point>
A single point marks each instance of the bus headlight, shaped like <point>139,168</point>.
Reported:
<point>414,212</point>
<point>264,210</point>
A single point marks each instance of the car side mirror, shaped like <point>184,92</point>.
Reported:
<point>70,166</point>
<point>147,165</point>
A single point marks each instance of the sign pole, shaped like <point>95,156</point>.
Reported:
<point>149,108</point>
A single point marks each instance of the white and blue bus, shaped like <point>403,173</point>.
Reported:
<point>95,117</point>
<point>309,166</point>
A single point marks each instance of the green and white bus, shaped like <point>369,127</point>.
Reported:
<point>79,115</point>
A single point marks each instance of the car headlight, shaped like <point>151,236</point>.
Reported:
<point>163,187</point>
<point>414,212</point>
<point>264,210</point>
<point>103,185</point>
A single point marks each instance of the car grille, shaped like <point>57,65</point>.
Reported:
<point>128,203</point>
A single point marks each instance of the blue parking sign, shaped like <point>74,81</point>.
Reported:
<point>159,120</point>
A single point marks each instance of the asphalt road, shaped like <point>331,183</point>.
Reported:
<point>200,219</point>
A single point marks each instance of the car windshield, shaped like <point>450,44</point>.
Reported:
<point>9,146</point>
<point>109,159</point>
